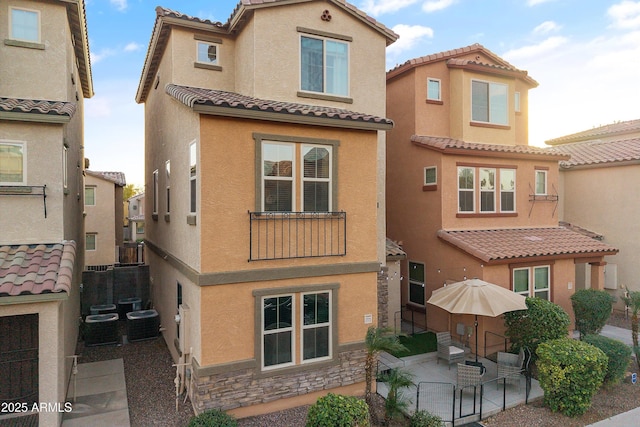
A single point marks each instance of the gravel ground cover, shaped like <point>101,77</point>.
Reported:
<point>151,394</point>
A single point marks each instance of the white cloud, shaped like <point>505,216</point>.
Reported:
<point>546,47</point>
<point>546,27</point>
<point>121,5</point>
<point>537,2</point>
<point>410,35</point>
<point>625,15</point>
<point>132,47</point>
<point>99,56</point>
<point>379,7</point>
<point>434,6</point>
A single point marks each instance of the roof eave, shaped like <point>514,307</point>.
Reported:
<point>488,153</point>
<point>34,117</point>
<point>78,22</point>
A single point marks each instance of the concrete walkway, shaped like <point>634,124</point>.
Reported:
<point>99,396</point>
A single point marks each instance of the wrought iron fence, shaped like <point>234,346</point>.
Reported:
<point>284,235</point>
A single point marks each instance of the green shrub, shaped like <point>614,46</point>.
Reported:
<point>592,309</point>
<point>619,355</point>
<point>570,373</point>
<point>213,418</point>
<point>542,321</point>
<point>425,419</point>
<point>335,410</point>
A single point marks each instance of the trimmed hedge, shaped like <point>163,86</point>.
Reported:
<point>425,419</point>
<point>592,309</point>
<point>570,373</point>
<point>619,355</point>
<point>213,418</point>
<point>336,410</point>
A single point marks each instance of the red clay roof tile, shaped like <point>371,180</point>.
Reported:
<point>116,177</point>
<point>620,128</point>
<point>525,243</point>
<point>600,152</point>
<point>36,269</point>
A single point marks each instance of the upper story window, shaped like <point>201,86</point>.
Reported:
<point>489,102</point>
<point>282,173</point>
<point>91,241</point>
<point>13,162</point>
<point>516,102</point>
<point>193,169</point>
<point>155,192</point>
<point>89,196</point>
<point>24,25</point>
<point>486,183</point>
<point>433,90</point>
<point>207,53</point>
<point>541,182</point>
<point>430,175</point>
<point>324,65</point>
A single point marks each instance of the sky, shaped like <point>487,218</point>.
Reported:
<point>584,55</point>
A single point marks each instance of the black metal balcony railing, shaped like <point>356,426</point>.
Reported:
<point>283,235</point>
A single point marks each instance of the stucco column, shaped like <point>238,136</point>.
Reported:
<point>597,275</point>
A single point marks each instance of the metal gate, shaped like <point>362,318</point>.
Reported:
<point>19,359</point>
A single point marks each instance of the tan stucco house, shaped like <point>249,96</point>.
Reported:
<point>45,75</point>
<point>264,216</point>
<point>135,217</point>
<point>467,196</point>
<point>597,190</point>
<point>104,217</point>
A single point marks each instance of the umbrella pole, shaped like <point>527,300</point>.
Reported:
<point>476,324</point>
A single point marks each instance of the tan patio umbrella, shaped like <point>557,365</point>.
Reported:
<point>477,297</point>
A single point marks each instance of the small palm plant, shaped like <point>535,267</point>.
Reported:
<point>377,340</point>
<point>396,379</point>
<point>632,299</point>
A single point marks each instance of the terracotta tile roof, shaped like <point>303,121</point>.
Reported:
<point>394,250</point>
<point>620,128</point>
<point>77,16</point>
<point>163,11</point>
<point>456,146</point>
<point>581,230</point>
<point>36,269</point>
<point>491,69</point>
<point>505,245</point>
<point>450,56</point>
<point>117,178</point>
<point>194,96</point>
<point>58,108</point>
<point>593,153</point>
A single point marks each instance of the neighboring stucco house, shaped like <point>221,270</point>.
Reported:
<point>103,217</point>
<point>45,74</point>
<point>135,207</point>
<point>597,189</point>
<point>467,195</point>
<point>265,209</point>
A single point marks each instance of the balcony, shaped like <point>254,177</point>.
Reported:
<point>287,235</point>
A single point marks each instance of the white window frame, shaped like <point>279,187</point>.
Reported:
<point>430,96</point>
<point>516,102</point>
<point>12,36</point>
<point>201,60</point>
<point>292,178</point>
<point>193,177</point>
<point>472,190</point>
<point>95,242</point>
<point>167,168</point>
<point>531,281</point>
<point>95,195</point>
<point>23,146</point>
<point>417,283</point>
<point>316,326</point>
<point>291,328</point>
<point>541,173</point>
<point>435,175</point>
<point>513,192</point>
<point>155,192</point>
<point>492,86</point>
<point>491,191</point>
<point>324,64</point>
<point>304,179</point>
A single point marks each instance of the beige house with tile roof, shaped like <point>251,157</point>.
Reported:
<point>44,78</point>
<point>466,194</point>
<point>104,217</point>
<point>259,164</point>
<point>597,186</point>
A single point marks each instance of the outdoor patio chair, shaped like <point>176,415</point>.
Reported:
<point>448,350</point>
<point>510,367</point>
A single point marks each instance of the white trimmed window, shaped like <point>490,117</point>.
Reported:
<point>489,102</point>
<point>13,162</point>
<point>541,182</point>
<point>167,167</point>
<point>533,281</point>
<point>24,25</point>
<point>316,178</point>
<point>507,190</point>
<point>278,184</point>
<point>487,190</point>
<point>277,331</point>
<point>207,52</point>
<point>430,175</point>
<point>155,192</point>
<point>433,90</point>
<point>416,283</point>
<point>466,189</point>
<point>316,326</point>
<point>193,173</point>
<point>516,102</point>
<point>487,187</point>
<point>89,196</point>
<point>324,65</point>
<point>91,241</point>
